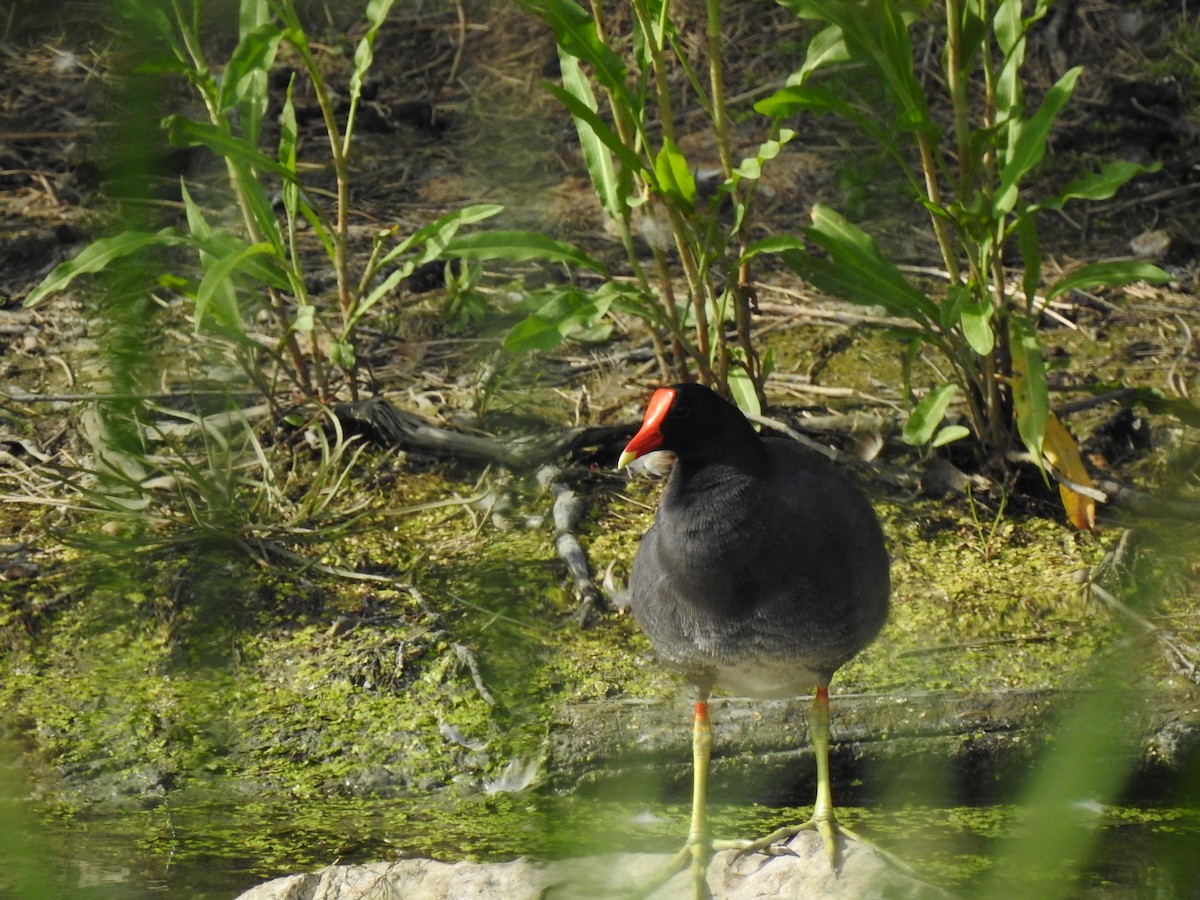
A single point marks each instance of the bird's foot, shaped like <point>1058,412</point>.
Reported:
<point>827,826</point>
<point>772,844</point>
<point>695,853</point>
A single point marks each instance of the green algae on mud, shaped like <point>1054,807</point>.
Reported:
<point>157,669</point>
<point>970,616</point>
<point>150,671</point>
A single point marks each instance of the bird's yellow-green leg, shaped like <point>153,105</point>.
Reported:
<point>699,847</point>
<point>823,821</point>
<point>699,839</point>
<point>823,818</point>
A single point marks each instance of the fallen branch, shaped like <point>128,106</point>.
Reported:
<point>408,431</point>
<point>1146,504</point>
<point>567,512</point>
<point>893,475</point>
<point>1113,493</point>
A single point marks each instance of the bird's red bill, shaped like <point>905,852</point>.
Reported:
<point>649,437</point>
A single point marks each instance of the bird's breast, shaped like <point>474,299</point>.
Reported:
<point>767,679</point>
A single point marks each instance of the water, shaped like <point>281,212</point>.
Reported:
<point>216,850</point>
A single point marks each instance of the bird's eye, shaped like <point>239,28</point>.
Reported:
<point>682,412</point>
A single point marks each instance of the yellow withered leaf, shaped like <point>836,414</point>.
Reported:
<point>1061,450</point>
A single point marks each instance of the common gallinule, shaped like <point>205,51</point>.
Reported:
<point>764,571</point>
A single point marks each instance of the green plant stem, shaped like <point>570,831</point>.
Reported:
<point>720,354</point>
<point>203,80</point>
<point>739,280</point>
<point>696,293</point>
<point>957,81</point>
<point>341,169</point>
<point>629,137</point>
<point>716,80</point>
<point>625,130</point>
<point>667,299</point>
<point>928,150</point>
<point>662,90</point>
<point>996,362</point>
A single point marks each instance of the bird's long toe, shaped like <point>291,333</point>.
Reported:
<point>694,855</point>
<point>775,843</point>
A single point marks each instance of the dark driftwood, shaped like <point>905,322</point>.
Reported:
<point>408,431</point>
<point>977,747</point>
<point>567,512</point>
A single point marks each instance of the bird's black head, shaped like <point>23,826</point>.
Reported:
<point>694,422</point>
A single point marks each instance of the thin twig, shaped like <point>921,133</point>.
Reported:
<point>462,44</point>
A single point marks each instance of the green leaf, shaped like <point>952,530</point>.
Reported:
<point>741,388</point>
<point>381,290</point>
<point>1030,248</point>
<point>603,133</point>
<point>185,132</point>
<point>597,156</point>
<point>752,166</point>
<point>244,81</point>
<point>246,160</point>
<point>216,286</point>
<point>974,33</point>
<point>914,341</point>
<point>1010,38</point>
<point>306,317</point>
<point>438,232</point>
<point>778,243</point>
<point>533,334</point>
<point>675,180</point>
<point>341,354</point>
<point>575,32</point>
<point>1113,273</point>
<point>288,138</point>
<point>216,244</point>
<point>827,47</point>
<point>794,99</point>
<point>519,246</point>
<point>928,415</point>
<point>197,223</point>
<point>252,13</point>
<point>554,320</point>
<point>1027,141</point>
<point>212,247</point>
<point>875,34</point>
<point>98,255</point>
<point>1008,26</point>
<point>973,311</point>
<point>434,237</point>
<point>977,329</point>
<point>1031,397</point>
<point>950,433</point>
<point>364,56</point>
<point>162,64</point>
<point>377,11</point>
<point>855,270</point>
<point>148,13</point>
<point>1099,185</point>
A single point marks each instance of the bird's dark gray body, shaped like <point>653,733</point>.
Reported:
<point>764,570</point>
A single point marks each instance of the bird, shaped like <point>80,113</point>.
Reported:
<point>764,571</point>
